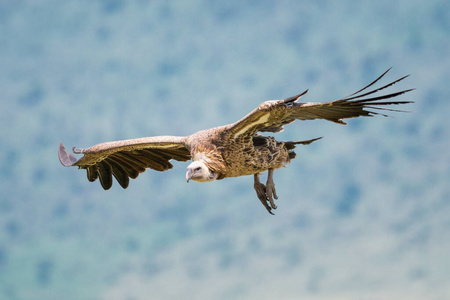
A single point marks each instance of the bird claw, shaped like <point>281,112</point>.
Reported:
<point>261,193</point>
<point>266,194</point>
<point>271,193</point>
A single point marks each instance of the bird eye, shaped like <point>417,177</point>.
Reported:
<point>197,169</point>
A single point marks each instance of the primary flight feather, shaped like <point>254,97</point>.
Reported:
<point>231,150</point>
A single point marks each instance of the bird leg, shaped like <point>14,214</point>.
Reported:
<point>261,193</point>
<point>270,188</point>
<point>266,193</point>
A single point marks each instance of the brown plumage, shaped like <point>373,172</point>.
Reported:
<point>230,150</point>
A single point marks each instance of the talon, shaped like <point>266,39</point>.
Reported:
<point>270,189</point>
<point>266,193</point>
<point>270,194</point>
<point>261,192</point>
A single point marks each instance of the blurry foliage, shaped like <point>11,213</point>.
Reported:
<point>370,196</point>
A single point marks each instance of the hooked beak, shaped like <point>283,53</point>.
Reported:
<point>189,175</point>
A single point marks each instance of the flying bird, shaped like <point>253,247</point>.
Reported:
<point>232,150</point>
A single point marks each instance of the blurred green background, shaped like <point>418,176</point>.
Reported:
<point>363,213</point>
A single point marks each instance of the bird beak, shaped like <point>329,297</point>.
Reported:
<point>188,175</point>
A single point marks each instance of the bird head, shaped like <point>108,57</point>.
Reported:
<point>198,171</point>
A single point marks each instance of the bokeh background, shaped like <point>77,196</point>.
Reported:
<point>363,213</point>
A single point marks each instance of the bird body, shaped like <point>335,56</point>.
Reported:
<point>231,150</point>
<point>236,157</point>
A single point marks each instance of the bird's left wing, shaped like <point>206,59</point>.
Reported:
<point>126,159</point>
<point>274,114</point>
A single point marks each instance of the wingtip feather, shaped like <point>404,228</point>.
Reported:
<point>66,159</point>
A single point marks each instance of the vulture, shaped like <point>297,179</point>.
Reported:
<point>232,150</point>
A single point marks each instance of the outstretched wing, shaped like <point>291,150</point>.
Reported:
<point>273,115</point>
<point>126,159</point>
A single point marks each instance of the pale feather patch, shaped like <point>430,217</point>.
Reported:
<point>263,119</point>
<point>161,146</point>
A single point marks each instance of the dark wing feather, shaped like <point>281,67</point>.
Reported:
<point>126,159</point>
<point>119,173</point>
<point>273,115</point>
<point>105,174</point>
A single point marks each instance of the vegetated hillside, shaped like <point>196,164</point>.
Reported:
<point>363,211</point>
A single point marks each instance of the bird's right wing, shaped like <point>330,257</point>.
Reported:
<point>272,115</point>
<point>126,159</point>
